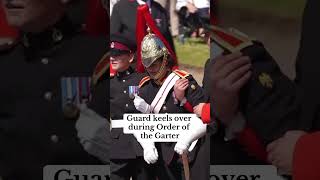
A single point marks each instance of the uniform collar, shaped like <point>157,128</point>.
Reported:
<point>125,73</point>
<point>47,41</point>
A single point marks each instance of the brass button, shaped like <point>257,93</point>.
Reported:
<point>45,61</point>
<point>54,138</point>
<point>164,108</point>
<point>48,95</point>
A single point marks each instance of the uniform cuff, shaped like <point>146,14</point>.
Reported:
<point>205,114</point>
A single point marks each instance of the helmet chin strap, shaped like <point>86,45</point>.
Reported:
<point>158,78</point>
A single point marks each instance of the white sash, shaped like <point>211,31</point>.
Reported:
<point>162,94</point>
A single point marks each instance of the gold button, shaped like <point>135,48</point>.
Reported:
<point>54,138</point>
<point>45,61</point>
<point>48,96</point>
<point>193,87</point>
<point>127,105</point>
<point>124,80</point>
<point>125,91</point>
<point>164,108</point>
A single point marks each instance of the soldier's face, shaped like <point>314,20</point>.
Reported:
<point>29,14</point>
<point>122,62</point>
<point>155,67</point>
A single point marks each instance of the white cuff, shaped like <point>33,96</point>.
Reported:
<point>236,126</point>
<point>183,102</point>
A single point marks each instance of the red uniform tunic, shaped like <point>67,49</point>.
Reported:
<point>306,160</point>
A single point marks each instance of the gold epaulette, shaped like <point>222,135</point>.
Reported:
<point>181,73</point>
<point>143,81</point>
<point>101,68</point>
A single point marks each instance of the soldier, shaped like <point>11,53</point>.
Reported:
<point>126,155</point>
<point>156,60</point>
<point>44,79</point>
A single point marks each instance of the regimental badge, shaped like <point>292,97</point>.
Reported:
<point>133,90</point>
<point>74,91</point>
<point>265,80</point>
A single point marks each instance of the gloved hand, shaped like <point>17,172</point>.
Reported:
<point>141,105</point>
<point>198,130</point>
<point>150,152</point>
<point>94,133</point>
<point>181,147</point>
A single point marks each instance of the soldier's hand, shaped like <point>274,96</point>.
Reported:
<point>93,133</point>
<point>229,74</point>
<point>150,154</point>
<point>198,109</point>
<point>181,147</point>
<point>179,88</point>
<point>198,129</point>
<point>280,151</point>
<point>141,105</point>
<point>191,7</point>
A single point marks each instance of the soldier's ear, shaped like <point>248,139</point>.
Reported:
<point>131,58</point>
<point>166,61</point>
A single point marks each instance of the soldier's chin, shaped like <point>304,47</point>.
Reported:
<point>115,67</point>
<point>153,76</point>
<point>16,21</point>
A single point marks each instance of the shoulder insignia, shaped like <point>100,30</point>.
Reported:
<point>232,39</point>
<point>101,68</point>
<point>143,81</point>
<point>181,73</point>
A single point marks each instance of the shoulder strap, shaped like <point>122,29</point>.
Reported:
<point>101,68</point>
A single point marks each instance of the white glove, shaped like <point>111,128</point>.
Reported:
<point>141,105</point>
<point>96,150</point>
<point>150,153</point>
<point>198,130</point>
<point>94,133</point>
<point>181,147</point>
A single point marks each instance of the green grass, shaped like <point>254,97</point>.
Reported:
<point>281,8</point>
<point>193,53</point>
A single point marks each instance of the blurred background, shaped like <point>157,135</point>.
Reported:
<point>275,23</point>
